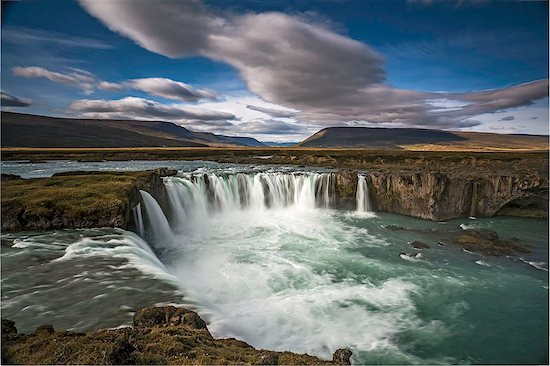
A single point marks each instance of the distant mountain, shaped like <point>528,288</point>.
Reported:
<point>26,130</point>
<point>416,138</point>
<point>279,144</point>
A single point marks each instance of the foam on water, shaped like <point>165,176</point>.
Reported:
<point>264,277</point>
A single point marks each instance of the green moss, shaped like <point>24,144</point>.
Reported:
<point>87,196</point>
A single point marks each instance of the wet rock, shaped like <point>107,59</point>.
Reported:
<point>268,358</point>
<point>168,315</point>
<point>419,245</point>
<point>488,242</point>
<point>45,329</point>
<point>440,195</point>
<point>342,356</point>
<point>8,327</point>
<point>345,188</point>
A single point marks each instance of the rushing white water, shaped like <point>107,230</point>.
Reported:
<point>362,195</point>
<point>157,220</point>
<point>138,218</point>
<point>195,197</point>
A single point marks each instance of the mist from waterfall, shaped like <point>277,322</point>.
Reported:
<point>362,195</point>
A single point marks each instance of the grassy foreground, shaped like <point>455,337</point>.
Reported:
<point>82,199</point>
<point>159,336</point>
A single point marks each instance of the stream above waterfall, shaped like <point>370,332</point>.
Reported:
<point>260,254</point>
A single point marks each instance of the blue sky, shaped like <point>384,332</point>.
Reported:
<point>281,70</point>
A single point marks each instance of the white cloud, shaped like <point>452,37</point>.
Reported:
<point>77,78</point>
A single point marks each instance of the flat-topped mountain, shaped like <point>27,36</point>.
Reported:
<point>421,139</point>
<point>26,130</point>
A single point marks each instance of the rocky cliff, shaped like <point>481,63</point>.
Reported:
<point>437,195</point>
<point>159,336</point>
<point>78,199</point>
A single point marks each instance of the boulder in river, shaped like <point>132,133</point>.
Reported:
<point>419,245</point>
<point>488,242</point>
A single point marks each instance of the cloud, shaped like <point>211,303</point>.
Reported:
<point>277,113</point>
<point>504,98</point>
<point>268,127</point>
<point>144,109</point>
<point>82,79</point>
<point>31,37</point>
<point>282,58</point>
<point>77,78</point>
<point>8,100</point>
<point>167,88</point>
<point>507,118</point>
<point>182,29</point>
<point>107,85</point>
<point>294,62</point>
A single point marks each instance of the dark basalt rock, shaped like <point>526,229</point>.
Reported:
<point>419,245</point>
<point>342,356</point>
<point>8,327</point>
<point>345,188</point>
<point>489,243</point>
<point>168,315</point>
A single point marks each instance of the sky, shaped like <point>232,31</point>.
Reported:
<point>281,70</point>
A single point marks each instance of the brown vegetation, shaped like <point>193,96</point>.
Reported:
<point>160,336</point>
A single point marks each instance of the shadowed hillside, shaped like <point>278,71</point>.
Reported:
<point>25,130</point>
<point>421,139</point>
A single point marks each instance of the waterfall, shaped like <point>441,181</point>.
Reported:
<point>200,195</point>
<point>362,197</point>
<point>195,197</point>
<point>473,204</point>
<point>157,221</point>
<point>138,219</point>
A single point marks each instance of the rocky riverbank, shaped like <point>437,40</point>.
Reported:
<point>159,336</point>
<point>77,199</point>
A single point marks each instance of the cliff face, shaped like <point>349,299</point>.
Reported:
<point>437,195</point>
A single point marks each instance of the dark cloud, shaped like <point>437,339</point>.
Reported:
<point>8,100</point>
<point>507,118</point>
<point>139,108</point>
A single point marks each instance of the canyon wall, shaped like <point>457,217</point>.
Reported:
<point>439,195</point>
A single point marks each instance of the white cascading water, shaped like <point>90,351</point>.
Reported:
<point>138,218</point>
<point>157,220</point>
<point>362,196</point>
<point>195,197</point>
<point>254,255</point>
